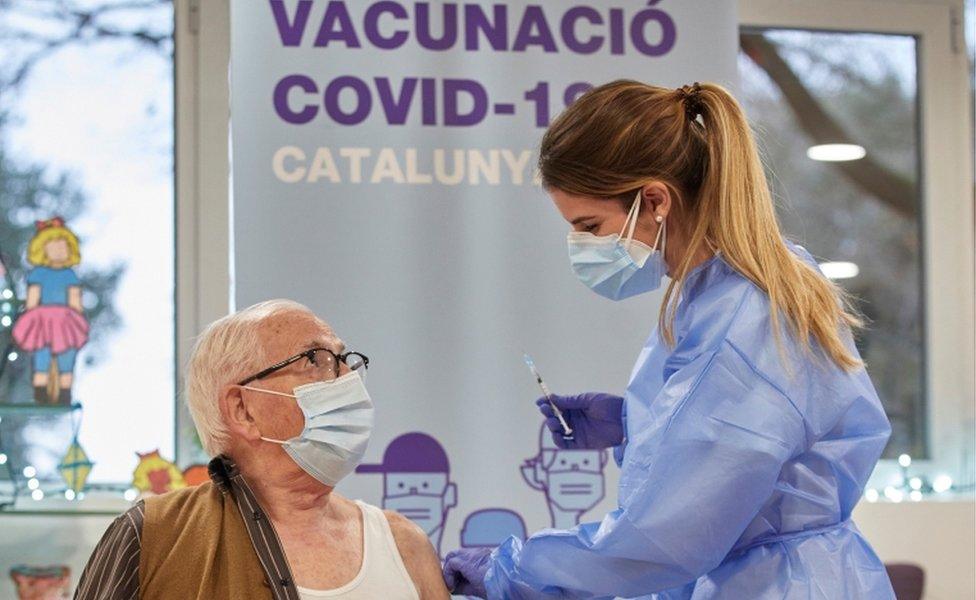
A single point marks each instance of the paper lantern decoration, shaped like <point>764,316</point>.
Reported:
<point>75,467</point>
<point>156,475</point>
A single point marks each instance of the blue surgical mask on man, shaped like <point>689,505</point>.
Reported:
<point>618,267</point>
<point>338,423</point>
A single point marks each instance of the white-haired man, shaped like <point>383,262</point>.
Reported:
<point>279,402</point>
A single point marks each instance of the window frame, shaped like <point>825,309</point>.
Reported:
<point>204,267</point>
<point>203,201</point>
<point>185,203</point>
<point>947,218</point>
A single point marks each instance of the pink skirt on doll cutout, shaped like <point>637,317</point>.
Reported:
<point>57,327</point>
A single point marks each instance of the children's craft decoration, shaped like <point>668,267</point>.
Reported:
<point>156,475</point>
<point>196,474</point>
<point>42,583</point>
<point>53,326</point>
<point>75,467</point>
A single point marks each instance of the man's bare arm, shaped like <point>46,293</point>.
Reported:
<point>419,557</point>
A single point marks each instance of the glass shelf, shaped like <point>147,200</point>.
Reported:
<point>40,409</point>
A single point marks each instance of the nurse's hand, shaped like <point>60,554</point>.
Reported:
<point>465,570</point>
<point>595,418</point>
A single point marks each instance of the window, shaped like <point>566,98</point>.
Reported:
<point>859,213</point>
<point>86,172</point>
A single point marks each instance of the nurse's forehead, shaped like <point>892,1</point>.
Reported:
<point>576,202</point>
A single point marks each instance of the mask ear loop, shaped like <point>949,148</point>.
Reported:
<point>272,392</point>
<point>662,235</point>
<point>254,389</point>
<point>631,223</point>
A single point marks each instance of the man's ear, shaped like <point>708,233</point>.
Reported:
<point>237,417</point>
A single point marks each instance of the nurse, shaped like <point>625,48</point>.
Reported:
<point>749,426</point>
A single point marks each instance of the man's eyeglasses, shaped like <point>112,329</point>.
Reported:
<point>322,361</point>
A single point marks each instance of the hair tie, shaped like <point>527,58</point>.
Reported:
<point>691,97</point>
<point>42,225</point>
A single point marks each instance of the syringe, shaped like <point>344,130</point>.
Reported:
<point>567,431</point>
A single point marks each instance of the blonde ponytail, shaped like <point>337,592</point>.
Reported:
<point>697,141</point>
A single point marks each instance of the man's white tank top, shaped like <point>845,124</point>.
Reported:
<point>382,575</point>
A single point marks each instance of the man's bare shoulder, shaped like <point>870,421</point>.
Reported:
<point>407,533</point>
<point>418,556</point>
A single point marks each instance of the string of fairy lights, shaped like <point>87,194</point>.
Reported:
<point>914,487</point>
<point>8,309</point>
<point>74,469</point>
<point>74,466</point>
<point>909,486</point>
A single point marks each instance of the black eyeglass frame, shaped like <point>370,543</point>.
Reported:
<point>309,354</point>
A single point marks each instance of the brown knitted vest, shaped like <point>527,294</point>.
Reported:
<point>195,545</point>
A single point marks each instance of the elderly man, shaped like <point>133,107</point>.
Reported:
<point>280,402</point>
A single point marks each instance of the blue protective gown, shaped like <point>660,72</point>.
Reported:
<point>738,476</point>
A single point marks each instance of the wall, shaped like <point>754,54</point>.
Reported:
<point>69,539</point>
<point>938,535</point>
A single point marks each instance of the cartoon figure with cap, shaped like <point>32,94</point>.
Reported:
<point>416,482</point>
<point>572,480</point>
<point>53,326</point>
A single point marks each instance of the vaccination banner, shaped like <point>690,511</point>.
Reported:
<point>384,175</point>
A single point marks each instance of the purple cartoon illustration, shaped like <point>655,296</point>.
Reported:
<point>416,482</point>
<point>572,480</point>
<point>489,527</point>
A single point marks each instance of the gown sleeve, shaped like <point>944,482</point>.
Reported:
<point>691,482</point>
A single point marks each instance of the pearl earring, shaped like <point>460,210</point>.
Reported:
<point>659,218</point>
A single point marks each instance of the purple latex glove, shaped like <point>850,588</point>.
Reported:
<point>596,420</point>
<point>465,570</point>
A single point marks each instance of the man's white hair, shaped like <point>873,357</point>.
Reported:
<point>228,351</point>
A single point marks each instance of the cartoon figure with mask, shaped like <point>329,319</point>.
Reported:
<point>572,480</point>
<point>416,482</point>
